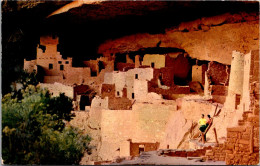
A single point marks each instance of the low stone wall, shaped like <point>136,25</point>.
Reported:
<point>167,93</point>
<point>135,147</point>
<point>217,153</point>
<point>184,153</point>
<point>119,103</point>
<point>219,90</point>
<point>57,88</point>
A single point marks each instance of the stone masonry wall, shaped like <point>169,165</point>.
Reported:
<point>235,87</point>
<point>57,88</point>
<point>251,79</point>
<point>198,73</point>
<point>144,123</point>
<point>242,145</point>
<point>157,59</point>
<point>29,66</point>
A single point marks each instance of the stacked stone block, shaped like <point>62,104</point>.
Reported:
<point>242,145</point>
<point>217,153</point>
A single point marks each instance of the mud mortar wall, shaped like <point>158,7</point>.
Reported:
<point>145,123</point>
<point>57,88</point>
<point>198,73</point>
<point>242,144</point>
<point>156,59</point>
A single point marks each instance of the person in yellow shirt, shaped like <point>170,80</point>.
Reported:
<point>203,125</point>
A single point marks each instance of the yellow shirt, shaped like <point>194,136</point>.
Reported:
<point>202,121</point>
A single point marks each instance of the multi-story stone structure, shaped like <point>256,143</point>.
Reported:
<point>54,67</point>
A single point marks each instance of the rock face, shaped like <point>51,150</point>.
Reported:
<point>215,43</point>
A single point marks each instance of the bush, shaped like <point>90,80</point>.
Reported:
<point>34,131</point>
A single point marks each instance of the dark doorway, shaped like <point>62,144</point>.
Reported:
<point>93,73</point>
<point>238,97</point>
<point>50,66</point>
<point>119,58</point>
<point>133,95</point>
<point>84,101</point>
<point>152,64</point>
<point>61,67</point>
<point>141,149</point>
<point>161,78</point>
<point>100,66</point>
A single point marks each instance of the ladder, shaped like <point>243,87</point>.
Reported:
<point>207,129</point>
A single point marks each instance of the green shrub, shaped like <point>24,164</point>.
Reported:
<point>33,129</point>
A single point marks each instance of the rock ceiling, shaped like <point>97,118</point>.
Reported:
<point>90,24</point>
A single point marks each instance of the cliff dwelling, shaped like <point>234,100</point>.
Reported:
<point>140,75</point>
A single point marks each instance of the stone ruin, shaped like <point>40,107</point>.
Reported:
<point>153,101</point>
<point>140,74</point>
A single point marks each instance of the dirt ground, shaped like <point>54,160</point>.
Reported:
<point>151,158</point>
